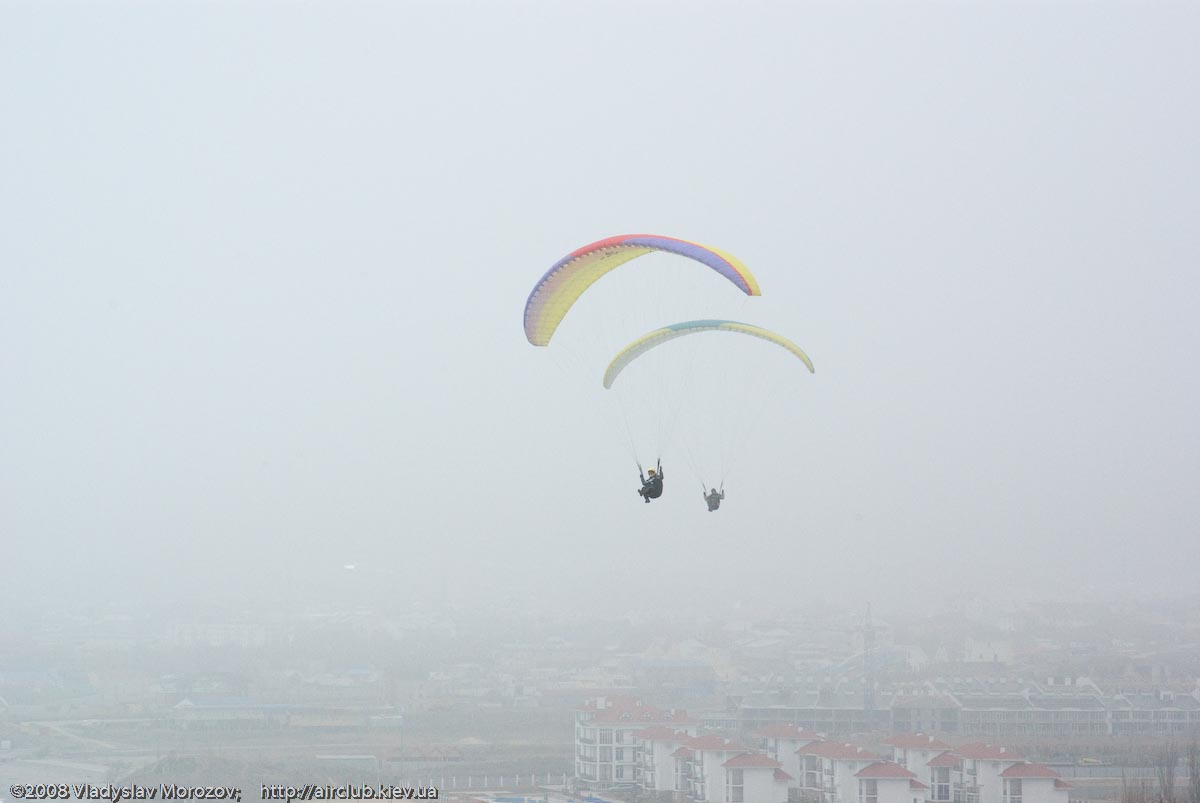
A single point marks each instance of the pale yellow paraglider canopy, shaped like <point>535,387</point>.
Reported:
<point>659,336</point>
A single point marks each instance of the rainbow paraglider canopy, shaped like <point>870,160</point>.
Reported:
<point>571,276</point>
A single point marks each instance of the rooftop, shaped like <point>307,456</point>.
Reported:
<point>752,760</point>
<point>884,769</point>
<point>1027,770</point>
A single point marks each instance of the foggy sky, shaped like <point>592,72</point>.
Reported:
<point>263,266</point>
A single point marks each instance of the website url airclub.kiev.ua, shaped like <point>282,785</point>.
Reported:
<point>115,794</point>
<point>312,791</point>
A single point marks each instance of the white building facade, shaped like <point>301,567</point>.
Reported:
<point>606,742</point>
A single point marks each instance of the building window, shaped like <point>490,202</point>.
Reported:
<point>1012,790</point>
<point>605,737</point>
<point>868,790</point>
<point>620,773</point>
<point>606,754</point>
<point>734,787</point>
<point>941,784</point>
<point>605,772</point>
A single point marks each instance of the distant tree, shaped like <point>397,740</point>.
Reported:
<point>1137,791</point>
<point>1166,759</point>
<point>1194,772</point>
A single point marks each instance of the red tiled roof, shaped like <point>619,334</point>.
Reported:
<point>915,784</point>
<point>1059,783</point>
<point>752,760</point>
<point>916,741</point>
<point>683,752</point>
<point>782,731</point>
<point>981,750</point>
<point>884,769</point>
<point>946,759</point>
<point>837,750</point>
<point>780,775</point>
<point>1025,770</point>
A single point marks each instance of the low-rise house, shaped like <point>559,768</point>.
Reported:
<point>752,778</point>
<point>656,764</point>
<point>981,767</point>
<point>945,777</point>
<point>781,742</point>
<point>706,771</point>
<point>888,782</point>
<point>914,751</point>
<point>829,771</point>
<point>1033,783</point>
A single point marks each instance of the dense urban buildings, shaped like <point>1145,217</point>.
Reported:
<point>809,705</point>
<point>671,760</point>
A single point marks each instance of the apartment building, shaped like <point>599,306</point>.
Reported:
<point>888,782</point>
<point>982,764</point>
<point>1033,783</point>
<point>914,751</point>
<point>752,778</point>
<point>783,742</point>
<point>706,771</point>
<point>829,769</point>
<point>605,738</point>
<point>944,778</point>
<point>657,767</point>
<point>991,710</point>
<point>706,768</point>
<point>1160,713</point>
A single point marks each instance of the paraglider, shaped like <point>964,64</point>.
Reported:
<point>652,487</point>
<point>656,401</point>
<point>660,336</point>
<point>562,285</point>
<point>714,499</point>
